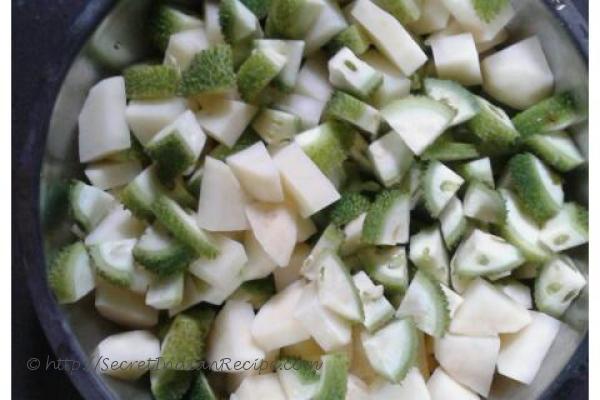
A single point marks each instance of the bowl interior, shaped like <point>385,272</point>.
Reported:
<point>119,40</point>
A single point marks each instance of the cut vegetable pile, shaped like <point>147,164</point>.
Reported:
<point>366,197</point>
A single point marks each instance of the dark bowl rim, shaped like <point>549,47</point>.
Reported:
<point>26,199</point>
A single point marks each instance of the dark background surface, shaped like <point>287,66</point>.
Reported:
<point>38,27</point>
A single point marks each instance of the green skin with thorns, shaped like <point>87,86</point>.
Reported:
<point>551,154</point>
<point>167,262</point>
<point>211,71</point>
<point>447,150</point>
<point>227,19</point>
<point>487,10</point>
<point>349,207</point>
<point>286,19</point>
<point>201,389</point>
<point>169,384</point>
<point>378,213</point>
<point>491,131</point>
<point>184,344</point>
<point>56,275</point>
<point>330,150</point>
<point>146,82</point>
<point>441,301</point>
<point>531,193</point>
<point>334,377</point>
<point>166,211</point>
<point>345,107</point>
<point>351,37</point>
<point>406,11</point>
<point>254,75</point>
<point>550,115</point>
<point>172,155</point>
<point>163,23</point>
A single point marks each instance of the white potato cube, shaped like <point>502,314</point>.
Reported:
<point>274,227</point>
<point>519,75</point>
<point>103,127</point>
<point>231,338</point>
<point>132,349</point>
<point>304,181</point>
<point>389,36</point>
<point>222,202</point>
<point>226,120</point>
<point>274,325</point>
<point>257,173</point>
<point>522,353</point>
<point>147,117</point>
<point>456,58</point>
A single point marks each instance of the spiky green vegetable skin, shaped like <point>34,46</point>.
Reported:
<point>555,113</point>
<point>529,190</point>
<point>170,215</point>
<point>334,377</point>
<point>82,220</point>
<point>255,74</point>
<point>405,11</point>
<point>530,247</point>
<point>330,149</point>
<point>441,302</point>
<point>487,10</point>
<point>201,389</point>
<point>146,82</point>
<point>248,138</point>
<point>286,19</point>
<point>351,37</point>
<point>164,262</point>
<point>63,262</point>
<point>89,218</point>
<point>172,156</point>
<point>349,207</point>
<point>372,258</point>
<point>184,345</point>
<point>108,272</point>
<point>164,21</point>
<point>280,15</point>
<point>260,8</point>
<point>580,217</point>
<point>492,127</point>
<point>378,213</point>
<point>453,238</point>
<point>227,19</point>
<point>211,71</point>
<point>256,292</point>
<point>344,107</point>
<point>138,199</point>
<point>552,155</point>
<point>448,150</point>
<point>168,384</point>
